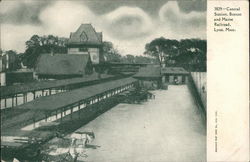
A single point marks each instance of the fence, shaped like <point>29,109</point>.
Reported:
<point>197,87</point>
<point>200,80</point>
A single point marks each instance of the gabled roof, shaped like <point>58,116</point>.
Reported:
<point>173,70</point>
<point>91,37</point>
<point>157,71</point>
<point>62,64</point>
<point>99,34</point>
<point>149,72</point>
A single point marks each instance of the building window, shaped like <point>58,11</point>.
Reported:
<point>83,49</point>
<point>83,37</point>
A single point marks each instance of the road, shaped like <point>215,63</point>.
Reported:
<point>168,128</point>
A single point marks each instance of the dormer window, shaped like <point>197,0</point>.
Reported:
<point>83,37</point>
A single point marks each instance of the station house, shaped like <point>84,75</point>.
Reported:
<point>84,52</point>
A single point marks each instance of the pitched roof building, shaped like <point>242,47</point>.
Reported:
<point>172,75</point>
<point>60,66</point>
<point>173,70</point>
<point>85,40</point>
<point>149,72</point>
<point>86,35</point>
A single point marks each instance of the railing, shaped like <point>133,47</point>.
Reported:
<point>19,98</point>
<point>76,107</point>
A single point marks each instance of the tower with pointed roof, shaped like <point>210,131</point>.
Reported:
<point>86,41</point>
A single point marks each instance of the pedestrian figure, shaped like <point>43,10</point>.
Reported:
<point>176,80</point>
<point>203,89</point>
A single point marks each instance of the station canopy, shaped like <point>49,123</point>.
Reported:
<point>35,86</point>
<point>53,102</point>
<point>47,104</point>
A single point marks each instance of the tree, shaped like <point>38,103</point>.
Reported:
<point>188,53</point>
<point>145,60</point>
<point>110,53</point>
<point>162,49</point>
<point>38,45</point>
<point>128,59</point>
<point>14,61</point>
<point>193,54</point>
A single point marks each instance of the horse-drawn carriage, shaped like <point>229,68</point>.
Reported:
<point>68,148</point>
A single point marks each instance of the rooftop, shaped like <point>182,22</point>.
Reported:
<point>86,34</point>
<point>53,102</point>
<point>156,71</point>
<point>149,72</point>
<point>62,64</point>
<point>23,88</point>
<point>173,70</point>
<point>37,108</point>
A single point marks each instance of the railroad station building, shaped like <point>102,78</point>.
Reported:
<point>174,74</point>
<point>86,41</point>
<point>154,77</point>
<point>149,77</point>
<point>84,54</point>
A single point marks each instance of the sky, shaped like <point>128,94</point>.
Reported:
<point>128,24</point>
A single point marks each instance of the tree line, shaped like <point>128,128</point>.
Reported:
<point>111,54</point>
<point>187,53</point>
<point>38,45</point>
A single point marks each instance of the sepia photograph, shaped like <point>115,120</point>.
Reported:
<point>103,80</point>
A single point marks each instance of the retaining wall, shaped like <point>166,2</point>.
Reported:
<point>199,96</point>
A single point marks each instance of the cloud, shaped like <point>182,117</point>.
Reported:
<point>192,22</point>
<point>14,37</point>
<point>128,23</point>
<point>193,5</point>
<point>60,18</point>
<point>21,12</point>
<point>64,17</point>
<point>129,28</point>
